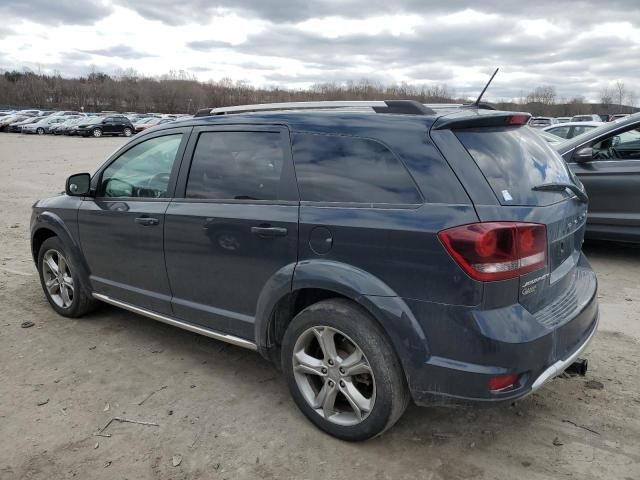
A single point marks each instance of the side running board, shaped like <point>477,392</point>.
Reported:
<point>240,342</point>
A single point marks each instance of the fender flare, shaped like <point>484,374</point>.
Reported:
<point>48,220</point>
<point>368,291</point>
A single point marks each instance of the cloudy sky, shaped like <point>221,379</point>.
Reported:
<point>579,47</point>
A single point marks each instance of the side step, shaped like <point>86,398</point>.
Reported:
<point>240,342</point>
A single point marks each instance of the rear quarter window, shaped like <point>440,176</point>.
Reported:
<point>514,160</point>
<point>343,169</point>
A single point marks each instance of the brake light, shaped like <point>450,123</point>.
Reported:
<point>490,251</point>
<point>518,119</point>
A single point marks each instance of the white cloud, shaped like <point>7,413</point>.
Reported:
<point>297,43</point>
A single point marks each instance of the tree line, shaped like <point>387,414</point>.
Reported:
<point>181,92</point>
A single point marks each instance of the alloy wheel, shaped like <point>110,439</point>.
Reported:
<point>334,376</point>
<point>58,279</point>
<point>97,132</point>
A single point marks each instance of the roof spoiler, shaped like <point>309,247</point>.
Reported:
<point>488,119</point>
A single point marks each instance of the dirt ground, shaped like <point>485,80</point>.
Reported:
<point>223,412</point>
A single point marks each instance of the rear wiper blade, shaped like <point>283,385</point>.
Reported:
<point>561,186</point>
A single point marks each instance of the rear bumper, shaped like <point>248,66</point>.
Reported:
<point>469,346</point>
<point>561,365</point>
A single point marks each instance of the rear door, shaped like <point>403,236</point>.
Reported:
<point>234,227</point>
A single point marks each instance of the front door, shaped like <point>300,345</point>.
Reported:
<point>108,125</point>
<point>612,181</point>
<point>121,228</point>
<point>235,227</point>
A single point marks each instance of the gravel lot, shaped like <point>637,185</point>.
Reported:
<point>226,413</point>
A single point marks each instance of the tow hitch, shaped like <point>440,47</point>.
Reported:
<point>579,367</point>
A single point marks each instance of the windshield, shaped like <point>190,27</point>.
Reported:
<point>514,160</point>
<point>93,120</point>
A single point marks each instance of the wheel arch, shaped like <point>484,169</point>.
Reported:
<point>48,224</point>
<point>313,281</point>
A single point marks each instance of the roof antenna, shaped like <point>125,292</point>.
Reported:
<point>477,102</point>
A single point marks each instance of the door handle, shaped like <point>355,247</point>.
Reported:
<point>147,221</point>
<point>269,231</point>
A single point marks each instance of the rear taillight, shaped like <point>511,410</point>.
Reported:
<point>497,250</point>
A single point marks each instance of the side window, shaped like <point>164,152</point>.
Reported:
<point>332,168</point>
<point>237,166</point>
<point>580,129</point>
<point>560,131</point>
<point>142,171</point>
<point>622,146</point>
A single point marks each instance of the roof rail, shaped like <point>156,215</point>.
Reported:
<point>409,107</point>
<point>446,106</point>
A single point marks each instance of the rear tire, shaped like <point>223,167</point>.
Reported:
<point>358,390</point>
<point>40,131</point>
<point>127,132</point>
<point>60,281</point>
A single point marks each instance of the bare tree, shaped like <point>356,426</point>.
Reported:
<point>619,92</point>
<point>606,96</point>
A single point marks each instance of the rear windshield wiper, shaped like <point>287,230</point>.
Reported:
<point>561,186</point>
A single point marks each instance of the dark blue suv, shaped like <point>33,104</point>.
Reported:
<point>376,251</point>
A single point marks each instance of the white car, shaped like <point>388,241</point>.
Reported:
<point>549,137</point>
<point>571,129</point>
<point>586,118</point>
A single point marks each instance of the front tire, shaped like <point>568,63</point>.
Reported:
<point>342,371</point>
<point>40,131</point>
<point>96,132</point>
<point>60,281</point>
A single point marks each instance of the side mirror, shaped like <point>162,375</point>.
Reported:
<point>585,154</point>
<point>78,185</point>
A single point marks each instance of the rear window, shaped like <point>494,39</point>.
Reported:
<point>514,160</point>
<point>332,168</point>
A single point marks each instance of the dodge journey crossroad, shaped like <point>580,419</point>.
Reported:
<point>377,252</point>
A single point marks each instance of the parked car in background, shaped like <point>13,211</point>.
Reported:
<point>61,128</point>
<point>607,161</point>
<point>586,118</point>
<point>540,122</point>
<point>571,129</point>
<point>563,119</point>
<point>151,122</point>
<point>107,125</point>
<point>43,126</point>
<point>549,137</point>
<point>617,116</point>
<point>31,112</point>
<point>371,265</point>
<point>6,121</point>
<point>66,113</point>
<point>17,127</point>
